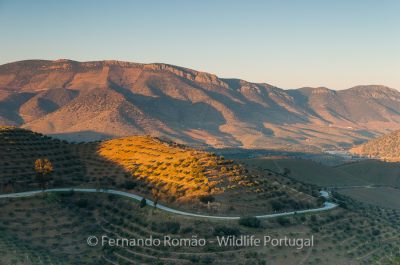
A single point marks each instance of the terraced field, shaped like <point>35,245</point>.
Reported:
<point>162,171</point>
<point>53,229</point>
<point>20,148</point>
<point>44,230</point>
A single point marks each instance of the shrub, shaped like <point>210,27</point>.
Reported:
<point>313,218</point>
<point>129,185</point>
<point>187,230</point>
<point>207,198</point>
<point>376,232</point>
<point>251,221</point>
<point>207,260</point>
<point>82,203</point>
<point>169,227</point>
<point>277,206</point>
<point>283,221</point>
<point>286,171</point>
<point>143,203</point>
<point>226,231</point>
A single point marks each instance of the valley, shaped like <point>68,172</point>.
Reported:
<point>222,202</point>
<point>128,150</point>
<point>200,132</point>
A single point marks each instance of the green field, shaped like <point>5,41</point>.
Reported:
<point>380,196</point>
<point>308,171</point>
<point>361,173</point>
<point>374,172</point>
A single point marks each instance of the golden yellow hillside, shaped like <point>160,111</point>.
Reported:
<point>173,170</point>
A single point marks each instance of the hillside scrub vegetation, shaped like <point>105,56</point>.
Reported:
<point>386,147</point>
<point>162,171</point>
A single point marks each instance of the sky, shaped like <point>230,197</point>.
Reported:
<point>289,44</point>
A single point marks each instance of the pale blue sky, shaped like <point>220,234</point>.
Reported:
<point>289,44</point>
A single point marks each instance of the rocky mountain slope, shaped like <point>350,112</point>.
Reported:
<point>83,101</point>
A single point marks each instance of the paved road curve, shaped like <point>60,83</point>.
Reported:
<point>327,205</point>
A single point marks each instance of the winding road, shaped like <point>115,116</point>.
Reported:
<point>327,205</point>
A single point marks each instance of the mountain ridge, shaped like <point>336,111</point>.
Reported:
<point>116,98</point>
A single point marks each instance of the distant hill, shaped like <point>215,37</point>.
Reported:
<point>386,147</point>
<point>83,101</point>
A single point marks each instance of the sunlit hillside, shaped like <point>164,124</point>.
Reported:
<point>386,147</point>
<point>162,171</point>
<point>173,170</point>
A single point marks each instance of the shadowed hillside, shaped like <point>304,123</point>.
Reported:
<point>53,229</point>
<point>20,148</point>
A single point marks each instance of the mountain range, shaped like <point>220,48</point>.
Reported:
<point>86,101</point>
